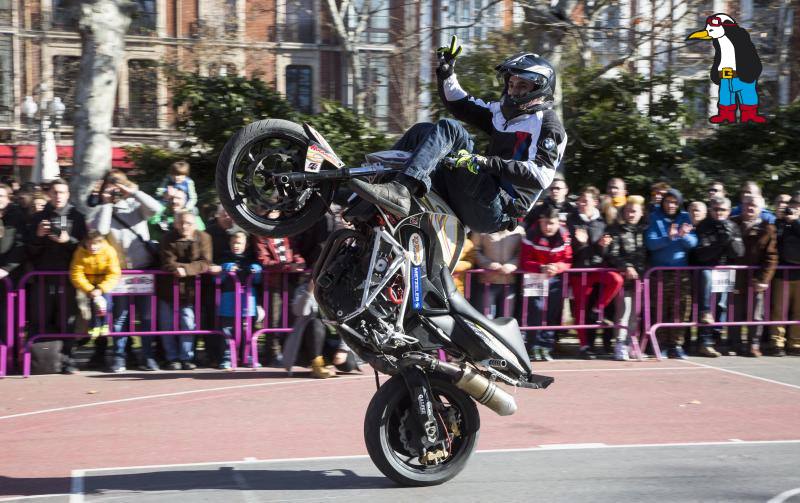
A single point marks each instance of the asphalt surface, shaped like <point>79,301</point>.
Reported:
<point>751,399</point>
<point>680,473</point>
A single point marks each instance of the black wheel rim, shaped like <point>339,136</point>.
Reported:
<point>257,196</point>
<point>392,437</point>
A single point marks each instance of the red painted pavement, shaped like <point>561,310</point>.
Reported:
<point>266,415</point>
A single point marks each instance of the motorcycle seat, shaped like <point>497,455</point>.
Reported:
<point>506,330</point>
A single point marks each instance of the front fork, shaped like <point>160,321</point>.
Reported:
<point>431,436</point>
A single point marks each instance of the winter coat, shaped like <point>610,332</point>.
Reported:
<point>187,185</point>
<point>126,221</point>
<point>627,247</point>
<point>718,242</point>
<point>95,270</point>
<point>12,246</point>
<point>246,266</point>
<point>194,256</point>
<point>760,249</point>
<point>501,247</point>
<point>162,223</point>
<point>466,261</point>
<point>590,253</point>
<point>665,251</point>
<point>524,152</point>
<point>789,246</point>
<point>269,256</point>
<point>44,253</point>
<point>538,250</point>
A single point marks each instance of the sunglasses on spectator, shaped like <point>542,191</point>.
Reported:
<point>556,187</point>
<point>712,189</point>
<point>719,208</point>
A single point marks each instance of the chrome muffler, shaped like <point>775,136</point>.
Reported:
<point>472,383</point>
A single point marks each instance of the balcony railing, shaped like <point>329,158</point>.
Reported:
<point>300,33</point>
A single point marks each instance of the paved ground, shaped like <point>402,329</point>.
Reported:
<point>590,437</point>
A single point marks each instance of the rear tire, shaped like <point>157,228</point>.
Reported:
<point>381,419</point>
<point>241,206</point>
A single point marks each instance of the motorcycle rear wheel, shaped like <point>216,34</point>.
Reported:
<point>384,442</point>
<point>247,190</point>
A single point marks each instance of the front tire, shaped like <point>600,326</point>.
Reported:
<point>248,192</point>
<point>384,416</point>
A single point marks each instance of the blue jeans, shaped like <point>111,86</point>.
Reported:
<point>708,335</point>
<point>475,198</point>
<point>732,89</point>
<point>177,347</point>
<point>122,311</point>
<point>555,305</point>
<point>97,320</point>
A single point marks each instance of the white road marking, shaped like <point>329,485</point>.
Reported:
<point>76,486</point>
<point>545,370</point>
<point>541,448</point>
<point>784,496</point>
<point>305,381</point>
<point>736,372</point>
<point>38,496</point>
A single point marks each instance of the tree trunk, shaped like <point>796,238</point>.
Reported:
<point>103,24</point>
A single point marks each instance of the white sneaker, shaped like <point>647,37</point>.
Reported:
<point>621,352</point>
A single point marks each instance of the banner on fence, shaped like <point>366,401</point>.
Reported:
<point>723,280</point>
<point>135,284</point>
<point>534,285</point>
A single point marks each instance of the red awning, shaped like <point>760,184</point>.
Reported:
<point>24,156</point>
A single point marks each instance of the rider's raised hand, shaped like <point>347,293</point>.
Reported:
<point>447,58</point>
<point>469,161</point>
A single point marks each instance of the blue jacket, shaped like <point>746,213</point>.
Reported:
<point>246,266</point>
<point>766,215</point>
<point>663,250</point>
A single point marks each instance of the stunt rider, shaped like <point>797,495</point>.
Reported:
<point>487,193</point>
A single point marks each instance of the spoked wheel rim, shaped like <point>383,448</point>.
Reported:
<point>396,422</point>
<point>256,194</point>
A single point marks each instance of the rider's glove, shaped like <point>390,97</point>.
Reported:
<point>447,58</point>
<point>471,162</point>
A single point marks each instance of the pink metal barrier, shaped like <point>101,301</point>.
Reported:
<point>583,274</point>
<point>653,325</point>
<point>26,284</point>
<point>251,333</point>
<point>7,330</point>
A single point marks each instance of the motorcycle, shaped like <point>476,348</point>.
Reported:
<point>386,287</point>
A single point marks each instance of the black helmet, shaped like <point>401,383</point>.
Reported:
<point>532,68</point>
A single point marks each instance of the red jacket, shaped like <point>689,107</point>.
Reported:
<point>538,249</point>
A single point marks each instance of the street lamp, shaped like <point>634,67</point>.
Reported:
<point>48,116</point>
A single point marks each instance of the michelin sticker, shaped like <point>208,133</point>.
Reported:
<point>417,251</point>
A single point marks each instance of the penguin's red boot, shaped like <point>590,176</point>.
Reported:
<point>750,114</point>
<point>727,113</point>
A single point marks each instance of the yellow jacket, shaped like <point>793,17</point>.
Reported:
<point>88,271</point>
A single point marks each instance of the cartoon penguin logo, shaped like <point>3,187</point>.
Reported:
<point>735,70</point>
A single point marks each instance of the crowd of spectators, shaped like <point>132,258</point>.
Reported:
<point>129,229</point>
<point>626,236</point>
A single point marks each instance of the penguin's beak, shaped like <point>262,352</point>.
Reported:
<point>701,35</point>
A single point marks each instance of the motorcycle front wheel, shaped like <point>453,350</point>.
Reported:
<point>387,430</point>
<point>250,194</point>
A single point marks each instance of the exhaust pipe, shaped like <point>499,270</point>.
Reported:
<point>486,392</point>
<point>474,384</point>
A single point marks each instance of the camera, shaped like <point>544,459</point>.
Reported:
<point>792,211</point>
<point>58,224</point>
